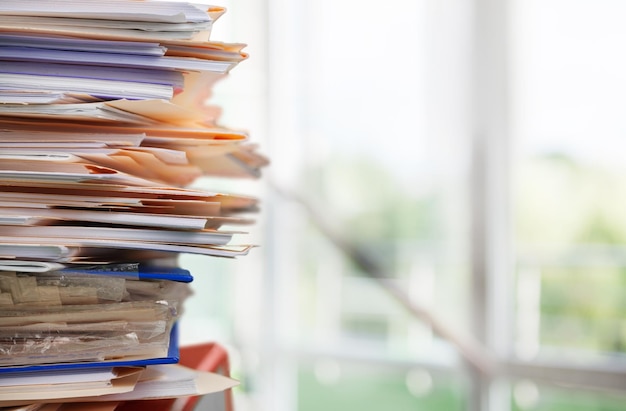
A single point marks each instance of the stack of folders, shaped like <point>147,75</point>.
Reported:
<point>104,124</point>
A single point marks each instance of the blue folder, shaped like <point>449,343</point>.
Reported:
<point>134,271</point>
<point>172,357</point>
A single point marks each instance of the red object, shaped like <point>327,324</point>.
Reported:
<point>206,357</point>
<point>210,357</point>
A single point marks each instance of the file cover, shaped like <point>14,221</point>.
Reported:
<point>172,357</point>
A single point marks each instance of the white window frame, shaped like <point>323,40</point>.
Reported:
<point>487,26</point>
<point>493,249</point>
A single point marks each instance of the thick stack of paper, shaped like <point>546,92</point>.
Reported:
<point>104,122</point>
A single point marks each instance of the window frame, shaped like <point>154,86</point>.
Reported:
<point>488,128</point>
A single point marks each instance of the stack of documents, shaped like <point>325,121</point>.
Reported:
<point>104,124</point>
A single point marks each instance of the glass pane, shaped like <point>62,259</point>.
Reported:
<point>329,385</point>
<point>529,395</point>
<point>369,132</point>
<point>380,173</point>
<point>570,192</point>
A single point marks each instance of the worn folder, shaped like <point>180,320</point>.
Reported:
<point>172,357</point>
<point>51,318</point>
<point>120,380</point>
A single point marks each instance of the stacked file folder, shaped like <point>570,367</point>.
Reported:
<point>104,124</point>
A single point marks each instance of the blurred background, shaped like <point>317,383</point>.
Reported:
<point>443,224</point>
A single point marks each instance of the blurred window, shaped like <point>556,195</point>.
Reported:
<point>473,151</point>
